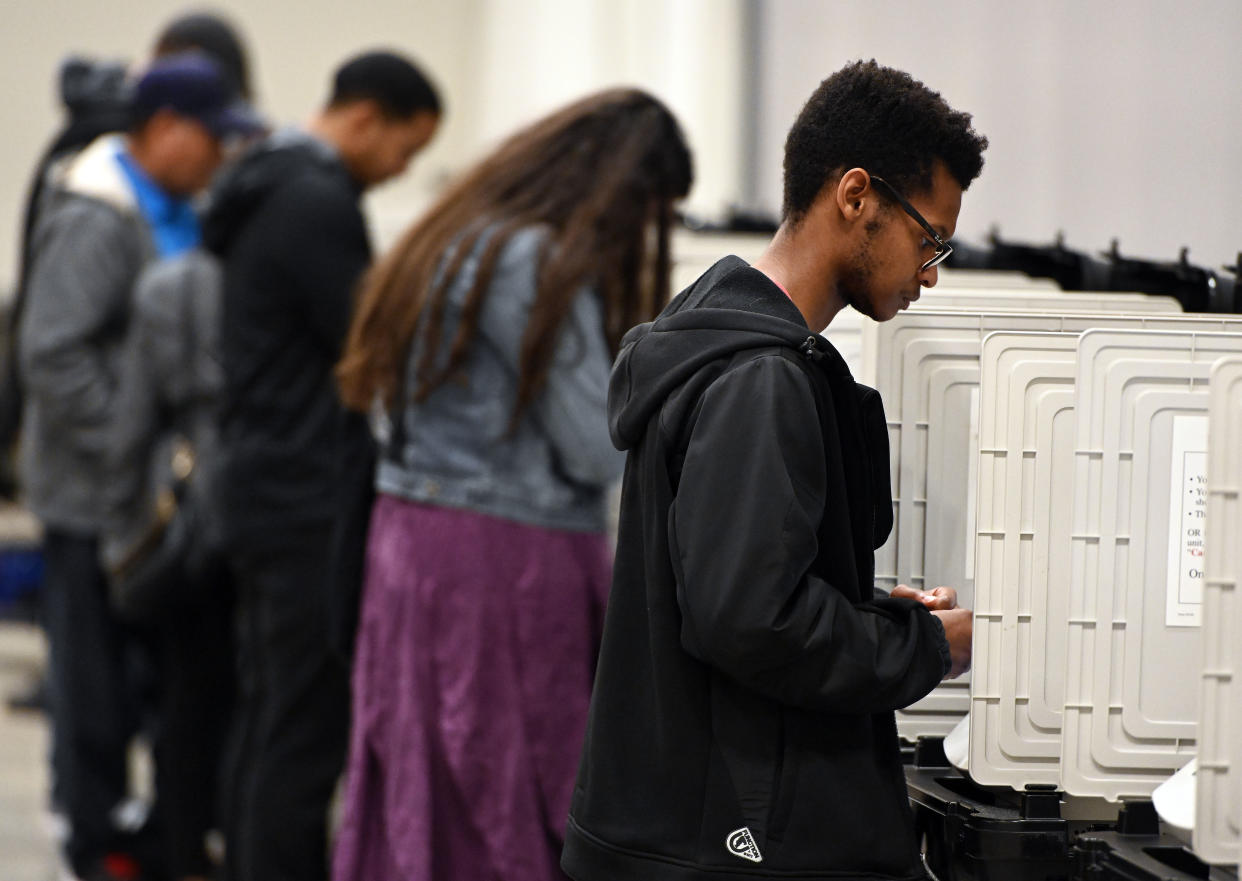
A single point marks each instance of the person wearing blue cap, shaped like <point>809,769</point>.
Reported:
<point>121,203</point>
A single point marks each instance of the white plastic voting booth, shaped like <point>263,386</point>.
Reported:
<point>1218,791</point>
<point>855,336</point>
<point>875,341</point>
<point>966,289</point>
<point>1135,606</point>
<point>694,253</point>
<point>1025,467</point>
<point>990,280</point>
<point>931,399</point>
<point>928,365</point>
<point>1026,457</point>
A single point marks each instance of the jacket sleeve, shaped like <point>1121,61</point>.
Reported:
<point>79,288</point>
<point>743,535</point>
<point>128,494</point>
<point>320,250</point>
<point>573,407</point>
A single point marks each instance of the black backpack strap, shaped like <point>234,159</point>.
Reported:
<point>397,433</point>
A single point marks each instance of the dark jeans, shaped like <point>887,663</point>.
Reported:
<point>94,701</point>
<point>292,719</point>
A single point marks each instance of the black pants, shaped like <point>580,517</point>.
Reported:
<point>292,719</point>
<point>93,695</point>
<point>197,687</point>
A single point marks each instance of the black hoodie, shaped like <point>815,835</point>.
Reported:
<point>286,225</point>
<point>742,720</point>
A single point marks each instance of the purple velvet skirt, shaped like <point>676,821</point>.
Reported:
<point>475,657</point>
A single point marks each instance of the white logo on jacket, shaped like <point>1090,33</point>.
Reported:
<point>742,844</point>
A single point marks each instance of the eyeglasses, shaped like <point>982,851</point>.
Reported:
<point>943,248</point>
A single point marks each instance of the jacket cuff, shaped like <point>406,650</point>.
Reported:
<point>942,643</point>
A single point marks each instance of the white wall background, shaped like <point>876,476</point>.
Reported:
<point>499,63</point>
<point>1106,118</point>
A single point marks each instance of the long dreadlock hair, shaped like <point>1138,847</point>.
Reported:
<point>596,175</point>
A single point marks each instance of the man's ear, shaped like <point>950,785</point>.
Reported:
<point>364,118</point>
<point>853,194</point>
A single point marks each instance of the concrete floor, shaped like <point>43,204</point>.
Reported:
<point>27,850</point>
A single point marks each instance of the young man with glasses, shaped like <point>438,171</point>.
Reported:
<point>742,720</point>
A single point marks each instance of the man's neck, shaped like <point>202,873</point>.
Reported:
<point>331,127</point>
<point>325,128</point>
<point>805,273</point>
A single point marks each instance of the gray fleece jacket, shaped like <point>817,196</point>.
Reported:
<point>90,243</point>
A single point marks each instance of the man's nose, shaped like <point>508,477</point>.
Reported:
<point>929,276</point>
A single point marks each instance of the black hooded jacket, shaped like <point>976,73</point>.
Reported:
<point>286,225</point>
<point>742,720</point>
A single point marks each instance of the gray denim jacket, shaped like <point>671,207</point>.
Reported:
<point>455,449</point>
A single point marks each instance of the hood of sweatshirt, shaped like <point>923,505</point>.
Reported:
<point>730,308</point>
<point>243,186</point>
<point>95,88</point>
<point>95,173</point>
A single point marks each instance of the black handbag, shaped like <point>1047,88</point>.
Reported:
<point>177,556</point>
<point>160,568</point>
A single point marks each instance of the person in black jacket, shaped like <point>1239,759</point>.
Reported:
<point>742,719</point>
<point>287,227</point>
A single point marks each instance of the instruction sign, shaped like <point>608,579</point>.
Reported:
<point>1187,509</point>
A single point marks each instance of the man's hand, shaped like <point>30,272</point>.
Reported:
<point>958,627</point>
<point>942,598</point>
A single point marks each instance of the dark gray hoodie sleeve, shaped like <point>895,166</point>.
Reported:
<point>743,533</point>
<point>161,382</point>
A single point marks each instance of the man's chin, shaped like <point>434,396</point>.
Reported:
<point>892,312</point>
<point>862,307</point>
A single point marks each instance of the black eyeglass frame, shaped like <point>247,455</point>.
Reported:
<point>943,248</point>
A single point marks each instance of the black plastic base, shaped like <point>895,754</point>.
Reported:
<point>970,833</point>
<point>1137,851</point>
<point>976,833</point>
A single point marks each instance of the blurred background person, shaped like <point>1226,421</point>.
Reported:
<point>94,94</point>
<point>286,225</point>
<point>95,97</point>
<point>216,37</point>
<point>119,204</point>
<point>488,334</point>
<point>160,546</point>
<point>168,392</point>
<point>159,539</point>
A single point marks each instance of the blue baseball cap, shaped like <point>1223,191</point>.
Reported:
<point>191,84</point>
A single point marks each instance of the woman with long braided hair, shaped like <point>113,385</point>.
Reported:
<point>487,336</point>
